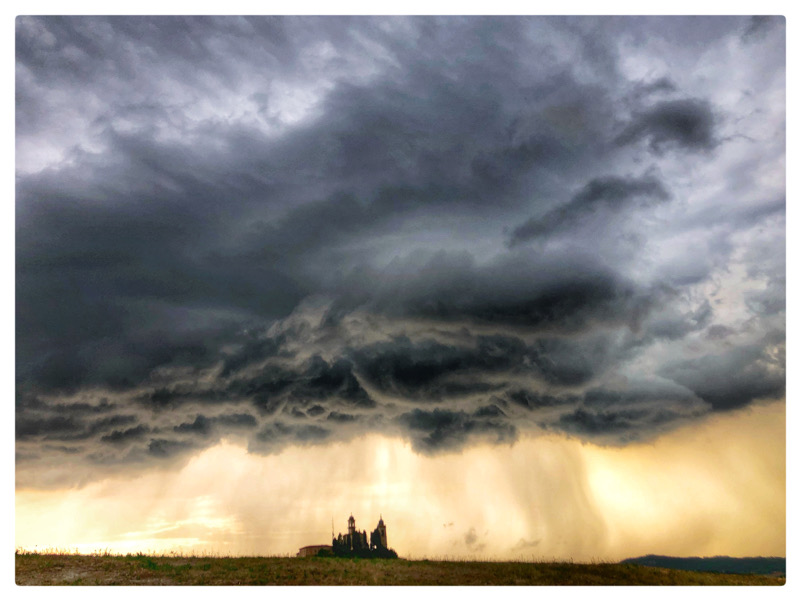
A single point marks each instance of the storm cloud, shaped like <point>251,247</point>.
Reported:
<point>687,124</point>
<point>609,194</point>
<point>296,230</point>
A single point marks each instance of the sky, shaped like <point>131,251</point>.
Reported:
<point>516,284</point>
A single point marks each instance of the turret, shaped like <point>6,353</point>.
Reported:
<point>382,532</point>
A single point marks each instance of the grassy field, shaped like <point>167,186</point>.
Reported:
<point>62,569</point>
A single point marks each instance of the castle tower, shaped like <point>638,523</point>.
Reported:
<point>351,531</point>
<point>382,531</point>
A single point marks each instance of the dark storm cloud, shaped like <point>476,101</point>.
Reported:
<point>431,371</point>
<point>123,436</point>
<point>203,426</point>
<point>732,379</point>
<point>298,230</point>
<point>253,348</point>
<point>84,408</point>
<point>610,194</point>
<point>413,370</point>
<point>273,388</point>
<point>163,448</point>
<point>532,400</point>
<point>615,415</point>
<point>624,424</point>
<point>130,295</point>
<point>686,124</point>
<point>28,428</point>
<point>568,293</point>
<point>278,434</point>
<point>143,230</point>
<point>336,416</point>
<point>236,420</point>
<point>138,229</point>
<point>439,430</point>
<point>608,413</point>
<point>66,427</point>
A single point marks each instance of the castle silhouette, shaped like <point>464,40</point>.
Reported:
<point>354,543</point>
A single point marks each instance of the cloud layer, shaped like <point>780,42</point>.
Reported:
<point>455,230</point>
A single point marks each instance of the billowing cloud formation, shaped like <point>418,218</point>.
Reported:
<point>454,230</point>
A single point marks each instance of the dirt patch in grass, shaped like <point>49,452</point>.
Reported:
<point>83,570</point>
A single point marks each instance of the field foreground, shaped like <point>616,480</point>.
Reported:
<point>35,569</point>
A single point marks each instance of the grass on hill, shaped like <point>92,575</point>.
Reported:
<point>140,569</point>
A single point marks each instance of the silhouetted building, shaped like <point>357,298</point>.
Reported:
<point>314,550</point>
<point>378,538</point>
<point>355,543</point>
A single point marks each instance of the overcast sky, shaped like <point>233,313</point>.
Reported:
<point>455,231</point>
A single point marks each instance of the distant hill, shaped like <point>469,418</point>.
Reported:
<point>720,564</point>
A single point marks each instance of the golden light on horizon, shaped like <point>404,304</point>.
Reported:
<point>716,487</point>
